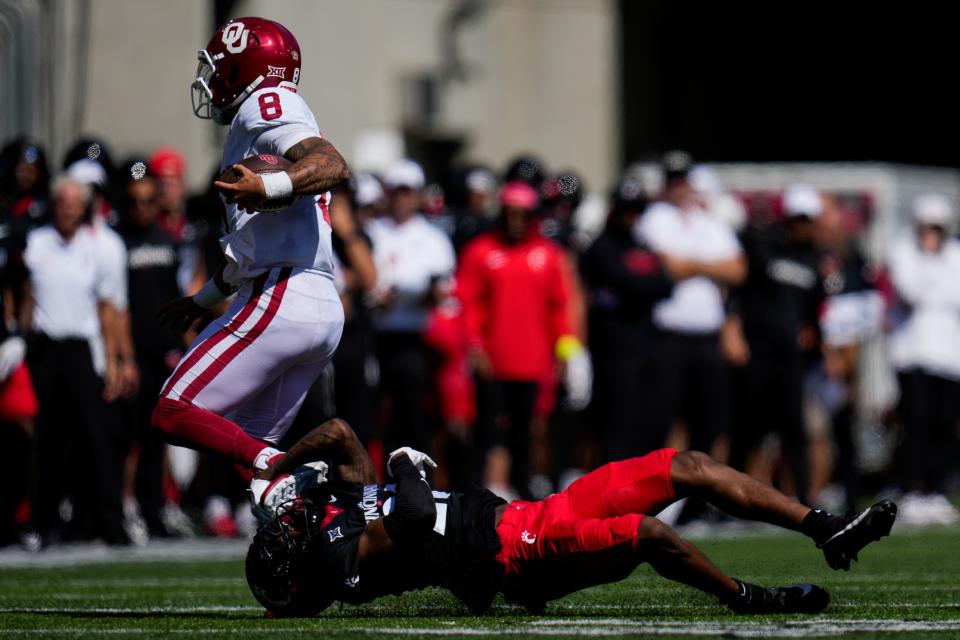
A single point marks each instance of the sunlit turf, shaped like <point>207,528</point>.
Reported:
<point>907,585</point>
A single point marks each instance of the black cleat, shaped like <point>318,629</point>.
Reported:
<point>796,598</point>
<point>858,531</point>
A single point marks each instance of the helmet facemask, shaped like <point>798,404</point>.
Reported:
<point>200,93</point>
<point>279,568</point>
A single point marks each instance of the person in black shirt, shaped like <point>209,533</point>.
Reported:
<point>332,533</point>
<point>353,373</point>
<point>775,312</point>
<point>624,280</point>
<point>24,184</point>
<point>152,263</point>
<point>18,401</point>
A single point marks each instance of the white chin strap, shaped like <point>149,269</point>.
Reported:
<point>246,92</point>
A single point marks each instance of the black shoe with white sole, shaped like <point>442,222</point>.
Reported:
<point>796,598</point>
<point>858,531</point>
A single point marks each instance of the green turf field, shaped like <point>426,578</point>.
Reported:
<point>906,586</point>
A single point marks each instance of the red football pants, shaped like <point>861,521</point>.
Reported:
<point>586,534</point>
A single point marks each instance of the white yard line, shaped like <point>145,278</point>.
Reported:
<point>630,628</point>
<point>600,627</point>
<point>130,610</point>
<point>126,583</point>
<point>499,609</point>
<point>96,553</point>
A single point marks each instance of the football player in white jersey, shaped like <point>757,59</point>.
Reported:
<point>239,387</point>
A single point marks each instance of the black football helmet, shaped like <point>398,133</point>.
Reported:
<point>280,566</point>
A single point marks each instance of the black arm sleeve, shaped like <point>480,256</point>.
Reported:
<point>414,511</point>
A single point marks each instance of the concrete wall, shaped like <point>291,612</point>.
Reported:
<point>542,76</point>
<point>142,61</point>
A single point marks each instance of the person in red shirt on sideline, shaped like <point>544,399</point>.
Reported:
<point>170,169</point>
<point>514,288</point>
<point>456,401</point>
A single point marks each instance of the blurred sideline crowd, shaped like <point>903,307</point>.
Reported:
<point>487,325</point>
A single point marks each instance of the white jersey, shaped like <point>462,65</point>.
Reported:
<point>271,121</point>
<point>929,283</point>
<point>696,304</point>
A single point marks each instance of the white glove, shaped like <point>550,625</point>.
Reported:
<point>418,458</point>
<point>12,352</point>
<point>579,380</point>
<point>269,495</point>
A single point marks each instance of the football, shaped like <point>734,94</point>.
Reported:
<point>263,163</point>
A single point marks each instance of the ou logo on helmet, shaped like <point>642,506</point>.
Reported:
<point>235,37</point>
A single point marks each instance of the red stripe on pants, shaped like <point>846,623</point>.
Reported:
<point>235,323</point>
<point>218,365</point>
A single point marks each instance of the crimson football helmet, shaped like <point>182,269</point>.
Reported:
<point>244,55</point>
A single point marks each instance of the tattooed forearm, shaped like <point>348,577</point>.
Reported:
<point>317,166</point>
<point>336,443</point>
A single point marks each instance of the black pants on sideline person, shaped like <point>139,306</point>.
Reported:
<point>928,411</point>
<point>70,433</point>
<point>623,385</point>
<point>404,372</point>
<point>148,482</point>
<point>356,375</point>
<point>690,385</point>
<point>318,407</point>
<point>768,398</point>
<point>17,445</point>
<point>504,417</point>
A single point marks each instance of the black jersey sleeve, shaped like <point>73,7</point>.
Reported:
<point>414,511</point>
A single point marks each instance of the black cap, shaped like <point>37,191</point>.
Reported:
<point>526,168</point>
<point>628,195</point>
<point>89,149</point>
<point>132,170</point>
<point>566,185</point>
<point>676,164</point>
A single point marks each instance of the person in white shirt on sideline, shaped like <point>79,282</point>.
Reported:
<point>412,256</point>
<point>925,349</point>
<point>68,298</point>
<point>113,254</point>
<point>700,251</point>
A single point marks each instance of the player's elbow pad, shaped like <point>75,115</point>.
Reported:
<point>414,511</point>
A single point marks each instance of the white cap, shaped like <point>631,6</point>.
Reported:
<point>704,180</point>
<point>88,172</point>
<point>481,180</point>
<point>404,173</point>
<point>933,208</point>
<point>368,189</point>
<point>802,200</point>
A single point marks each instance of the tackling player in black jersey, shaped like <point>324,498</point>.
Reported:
<point>332,533</point>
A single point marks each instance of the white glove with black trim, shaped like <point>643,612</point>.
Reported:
<point>418,458</point>
<point>268,495</point>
